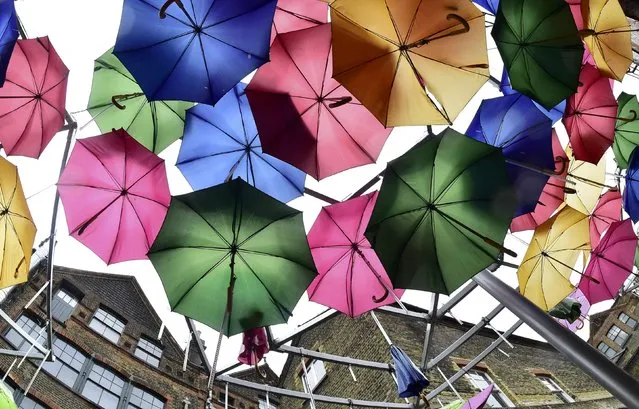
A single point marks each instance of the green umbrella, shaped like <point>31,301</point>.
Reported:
<point>442,212</point>
<point>541,48</point>
<point>456,404</point>
<point>6,397</point>
<point>626,129</point>
<point>233,251</point>
<point>117,101</point>
<point>568,309</point>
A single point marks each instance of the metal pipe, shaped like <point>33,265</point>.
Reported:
<point>454,300</point>
<point>322,356</point>
<point>36,373</point>
<point>404,314</point>
<point>428,334</point>
<point>36,295</point>
<point>32,346</point>
<point>22,332</point>
<point>320,196</point>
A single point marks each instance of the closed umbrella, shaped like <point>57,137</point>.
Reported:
<point>293,15</point>
<point>576,297</point>
<point>254,347</point>
<point>626,129</point>
<point>410,380</point>
<point>607,211</point>
<point>8,34</point>
<point>631,192</point>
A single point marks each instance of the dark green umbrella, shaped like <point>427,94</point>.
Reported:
<point>568,309</point>
<point>233,239</point>
<point>541,48</point>
<point>117,101</point>
<point>626,129</point>
<point>442,212</point>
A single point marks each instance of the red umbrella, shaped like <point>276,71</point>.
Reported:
<point>351,278</point>
<point>607,211</point>
<point>254,346</point>
<point>293,15</point>
<point>32,98</point>
<point>590,116</point>
<point>115,195</point>
<point>305,117</point>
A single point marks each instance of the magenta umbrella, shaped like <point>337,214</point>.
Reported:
<point>478,401</point>
<point>351,278</point>
<point>293,15</point>
<point>579,296</point>
<point>115,195</point>
<point>610,263</point>
<point>607,211</point>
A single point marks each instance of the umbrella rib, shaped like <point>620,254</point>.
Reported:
<point>301,73</point>
<point>207,222</point>
<point>259,57</point>
<point>206,67</point>
<point>361,220</point>
<point>26,124</point>
<point>110,67</point>
<point>146,236</point>
<point>412,23</point>
<point>35,85</point>
<point>168,75</point>
<point>542,20</point>
<point>191,247</point>
<point>195,159</point>
<point>38,106</point>
<point>524,287</point>
<point>267,225</point>
<point>348,133</point>
<point>321,277</point>
<point>239,109</point>
<point>460,174</point>
<point>175,37</point>
<point>137,114</point>
<point>167,13</point>
<point>15,109</point>
<point>457,224</point>
<point>216,127</point>
<point>337,225</point>
<point>355,67</point>
<point>15,231</point>
<point>120,187</point>
<point>154,121</point>
<point>117,233</point>
<point>274,168</point>
<point>202,277</point>
<point>546,71</point>
<point>160,162</point>
<point>353,22</point>
<point>46,73</point>
<point>596,22</point>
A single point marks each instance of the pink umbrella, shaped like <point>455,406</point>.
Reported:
<point>579,296</point>
<point>607,211</point>
<point>351,278</point>
<point>293,15</point>
<point>254,346</point>
<point>115,195</point>
<point>478,401</point>
<point>610,263</point>
<point>575,9</point>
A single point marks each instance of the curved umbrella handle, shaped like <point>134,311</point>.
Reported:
<point>166,6</point>
<point>564,164</point>
<point>383,297</point>
<point>460,19</point>
<point>580,323</point>
<point>424,41</point>
<point>258,371</point>
<point>114,101</point>
<point>631,119</point>
<point>340,102</point>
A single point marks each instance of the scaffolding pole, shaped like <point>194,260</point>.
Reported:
<point>344,360</point>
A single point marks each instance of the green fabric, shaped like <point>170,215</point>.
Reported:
<point>155,125</point>
<point>541,48</point>
<point>567,309</point>
<point>637,257</point>
<point>195,246</point>
<point>626,132</point>
<point>430,198</point>
<point>6,398</point>
<point>456,404</point>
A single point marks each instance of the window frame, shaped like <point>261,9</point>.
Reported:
<point>60,305</point>
<point>31,331</point>
<point>497,394</point>
<point>605,348</point>
<point>311,369</point>
<point>132,387</point>
<point>107,327</point>
<point>549,382</point>
<point>617,335</point>
<point>147,353</point>
<point>627,319</point>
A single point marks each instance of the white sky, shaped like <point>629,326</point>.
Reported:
<point>81,31</point>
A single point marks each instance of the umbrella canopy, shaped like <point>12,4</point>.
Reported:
<point>305,117</point>
<point>193,54</point>
<point>17,230</point>
<point>575,9</point>
<point>456,404</point>
<point>626,132</point>
<point>293,15</point>
<point>425,59</point>
<point>221,143</point>
<point>523,133</point>
<point>607,35</point>
<point>607,211</point>
<point>232,236</point>
<point>447,195</point>
<point>117,101</point>
<point>8,34</point>
<point>6,398</point>
<point>541,48</point>
<point>544,273</point>
<point>33,98</point>
<point>479,401</point>
<point>586,182</point>
<point>410,380</point>
<point>254,346</point>
<point>578,323</point>
<point>115,195</point>
<point>610,263</point>
<point>351,278</point>
<point>568,309</point>
<point>631,192</point>
<point>591,115</point>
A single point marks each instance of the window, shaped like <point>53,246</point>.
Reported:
<point>28,403</point>
<point>68,364</point>
<point>62,305</point>
<point>625,318</point>
<point>606,350</point>
<point>617,335</point>
<point>107,325</point>
<point>554,388</point>
<point>315,373</point>
<point>144,400</point>
<point>103,387</point>
<point>29,326</point>
<point>23,402</point>
<point>480,380</point>
<point>148,352</point>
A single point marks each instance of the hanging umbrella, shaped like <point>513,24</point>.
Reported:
<point>117,101</point>
<point>626,131</point>
<point>32,98</point>
<point>115,195</point>
<point>567,309</point>
<point>6,396</point>
<point>221,143</point>
<point>479,401</point>
<point>410,63</point>
<point>448,195</point>
<point>293,15</point>
<point>606,32</point>
<point>234,255</point>
<point>610,263</point>
<point>523,133</point>
<point>586,182</point>
<point>489,5</point>
<point>254,347</point>
<point>305,117</point>
<point>456,404</point>
<point>631,192</point>
<point>199,52</point>
<point>8,34</point>
<point>576,320</point>
<point>544,273</point>
<point>607,211</point>
<point>17,230</point>
<point>590,116</point>
<point>541,48</point>
<point>575,9</point>
<point>410,380</point>
<point>351,278</point>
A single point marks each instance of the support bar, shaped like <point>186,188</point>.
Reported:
<point>334,358</point>
<point>22,332</point>
<point>309,325</point>
<point>430,328</point>
<point>454,300</point>
<point>198,342</point>
<point>320,196</point>
<point>13,352</point>
<point>400,312</point>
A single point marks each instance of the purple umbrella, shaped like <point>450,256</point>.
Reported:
<point>579,296</point>
<point>478,401</point>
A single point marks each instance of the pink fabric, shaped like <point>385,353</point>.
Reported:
<point>349,270</point>
<point>478,401</point>
<point>115,195</point>
<point>576,295</point>
<point>590,116</point>
<point>32,98</point>
<point>610,262</point>
<point>607,211</point>
<point>254,346</point>
<point>293,15</point>
<point>575,9</point>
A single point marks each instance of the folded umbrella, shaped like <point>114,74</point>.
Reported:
<point>293,15</point>
<point>626,129</point>
<point>631,192</point>
<point>410,380</point>
<point>8,34</point>
<point>607,211</point>
<point>568,309</point>
<point>576,321</point>
<point>254,346</point>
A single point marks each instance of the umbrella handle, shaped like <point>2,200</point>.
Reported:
<point>631,119</point>
<point>115,102</point>
<point>424,41</point>
<point>340,102</point>
<point>383,297</point>
<point>124,97</point>
<point>564,165</point>
<point>166,6</point>
<point>258,371</point>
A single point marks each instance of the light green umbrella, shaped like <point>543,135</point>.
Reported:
<point>626,129</point>
<point>6,398</point>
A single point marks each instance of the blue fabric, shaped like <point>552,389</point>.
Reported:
<point>555,113</point>
<point>221,139</point>
<point>410,380</point>
<point>524,134</point>
<point>197,57</point>
<point>490,5</point>
<point>8,35</point>
<point>631,193</point>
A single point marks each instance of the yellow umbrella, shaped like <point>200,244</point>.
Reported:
<point>410,62</point>
<point>544,274</point>
<point>607,35</point>
<point>586,182</point>
<point>17,230</point>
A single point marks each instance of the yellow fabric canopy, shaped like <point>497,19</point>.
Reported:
<point>587,180</point>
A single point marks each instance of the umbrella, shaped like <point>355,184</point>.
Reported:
<point>575,9</point>
<point>448,195</point>
<point>17,230</point>
<point>568,309</point>
<point>456,404</point>
<point>576,297</point>
<point>304,117</point>
<point>6,397</point>
<point>523,133</point>
<point>410,380</point>
<point>33,98</point>
<point>590,116</point>
<point>544,273</point>
<point>221,143</point>
<point>631,192</point>
<point>8,34</point>
<point>479,401</point>
<point>425,59</point>
<point>607,35</point>
<point>541,48</point>
<point>626,132</point>
<point>115,195</point>
<point>117,101</point>
<point>607,211</point>
<point>254,346</point>
<point>194,55</point>
<point>232,257</point>
<point>489,5</point>
<point>293,15</point>
<point>351,278</point>
<point>610,263</point>
<point>586,182</point>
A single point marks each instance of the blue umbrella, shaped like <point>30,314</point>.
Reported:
<point>631,193</point>
<point>555,113</point>
<point>513,123</point>
<point>221,143</point>
<point>195,53</point>
<point>410,380</point>
<point>490,5</point>
<point>8,34</point>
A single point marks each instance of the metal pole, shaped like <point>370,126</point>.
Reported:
<point>338,359</point>
<point>591,361</point>
<point>36,295</point>
<point>430,327</point>
<point>198,342</point>
<point>454,300</point>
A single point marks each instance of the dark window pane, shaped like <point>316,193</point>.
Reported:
<point>103,387</point>
<point>62,305</point>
